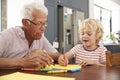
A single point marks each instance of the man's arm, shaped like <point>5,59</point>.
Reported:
<point>50,49</point>
<point>55,56</point>
<point>35,58</point>
<point>7,63</point>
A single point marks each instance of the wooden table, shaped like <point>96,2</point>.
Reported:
<point>87,73</point>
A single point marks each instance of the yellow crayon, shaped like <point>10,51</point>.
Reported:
<point>52,60</point>
<point>57,71</point>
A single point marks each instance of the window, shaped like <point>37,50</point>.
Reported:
<point>104,15</point>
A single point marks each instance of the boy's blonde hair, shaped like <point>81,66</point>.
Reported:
<point>92,25</point>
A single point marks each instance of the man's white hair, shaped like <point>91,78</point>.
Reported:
<point>28,9</point>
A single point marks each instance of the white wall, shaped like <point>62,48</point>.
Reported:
<point>14,10</point>
<point>91,9</point>
<point>0,15</point>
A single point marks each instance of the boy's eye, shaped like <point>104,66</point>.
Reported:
<point>89,34</point>
<point>82,33</point>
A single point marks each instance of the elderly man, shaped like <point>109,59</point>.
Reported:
<point>26,46</point>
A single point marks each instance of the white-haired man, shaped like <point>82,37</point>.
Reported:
<point>24,46</point>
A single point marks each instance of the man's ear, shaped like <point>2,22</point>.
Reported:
<point>25,22</point>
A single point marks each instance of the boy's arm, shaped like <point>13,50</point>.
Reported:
<point>69,54</point>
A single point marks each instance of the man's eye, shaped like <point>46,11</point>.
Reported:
<point>39,24</point>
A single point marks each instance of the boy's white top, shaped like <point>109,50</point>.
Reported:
<point>81,54</point>
<point>13,44</point>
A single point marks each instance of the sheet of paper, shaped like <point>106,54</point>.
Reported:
<point>25,76</point>
<point>68,67</point>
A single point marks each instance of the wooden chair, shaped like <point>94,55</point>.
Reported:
<point>112,59</point>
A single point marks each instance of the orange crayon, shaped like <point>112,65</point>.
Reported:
<point>30,69</point>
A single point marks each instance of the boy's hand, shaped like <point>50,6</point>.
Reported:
<point>88,62</point>
<point>63,60</point>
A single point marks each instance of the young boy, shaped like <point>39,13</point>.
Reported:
<point>89,52</point>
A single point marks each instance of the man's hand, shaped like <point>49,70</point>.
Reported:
<point>36,58</point>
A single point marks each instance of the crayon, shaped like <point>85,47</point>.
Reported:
<point>57,71</point>
<point>65,59</point>
<point>29,69</point>
<point>52,60</point>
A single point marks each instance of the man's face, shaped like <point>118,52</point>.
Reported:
<point>37,25</point>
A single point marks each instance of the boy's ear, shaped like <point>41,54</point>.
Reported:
<point>25,22</point>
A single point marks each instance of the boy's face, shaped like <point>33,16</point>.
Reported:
<point>88,38</point>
